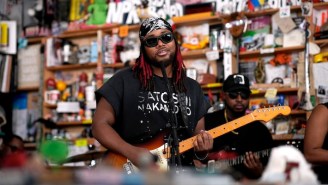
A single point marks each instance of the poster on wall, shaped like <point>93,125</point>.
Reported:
<point>132,12</point>
<point>322,91</point>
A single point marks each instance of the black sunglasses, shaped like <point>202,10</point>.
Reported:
<point>153,41</point>
<point>234,95</point>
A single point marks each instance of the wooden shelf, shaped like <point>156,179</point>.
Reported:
<point>92,31</point>
<point>321,41</point>
<point>270,11</point>
<point>82,66</point>
<point>35,40</point>
<point>298,112</point>
<point>257,53</point>
<point>117,65</point>
<point>287,136</point>
<point>30,146</point>
<point>218,86</point>
<point>197,18</point>
<point>50,106</point>
<point>72,123</point>
<point>196,53</point>
<point>32,88</point>
<point>134,27</point>
<point>279,90</point>
<point>320,6</point>
<point>72,67</point>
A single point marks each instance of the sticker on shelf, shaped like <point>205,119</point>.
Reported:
<point>271,93</point>
<point>284,11</point>
<point>266,50</point>
<point>124,31</point>
<point>212,55</point>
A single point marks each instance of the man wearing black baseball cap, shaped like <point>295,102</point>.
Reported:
<point>244,141</point>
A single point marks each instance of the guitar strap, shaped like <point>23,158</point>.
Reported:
<point>183,109</point>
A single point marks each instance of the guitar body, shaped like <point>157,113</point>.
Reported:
<point>155,146</point>
<point>222,155</point>
<point>224,158</point>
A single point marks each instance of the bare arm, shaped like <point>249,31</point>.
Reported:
<point>102,130</point>
<point>315,132</point>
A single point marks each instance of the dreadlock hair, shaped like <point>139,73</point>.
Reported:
<point>144,71</point>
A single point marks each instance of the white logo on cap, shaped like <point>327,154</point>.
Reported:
<point>239,79</point>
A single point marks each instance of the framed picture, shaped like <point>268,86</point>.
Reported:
<point>282,125</point>
<point>322,91</point>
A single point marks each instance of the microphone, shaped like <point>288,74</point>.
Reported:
<point>174,144</point>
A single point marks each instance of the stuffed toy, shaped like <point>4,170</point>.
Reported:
<point>281,59</point>
<point>236,23</point>
<point>98,12</point>
<point>287,165</point>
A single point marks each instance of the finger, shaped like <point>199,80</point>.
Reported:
<point>208,140</point>
<point>256,158</point>
<point>196,144</point>
<point>250,157</point>
<point>199,164</point>
<point>250,160</point>
<point>200,143</point>
<point>247,160</point>
<point>200,139</point>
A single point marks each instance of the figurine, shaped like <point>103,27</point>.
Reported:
<point>50,84</point>
<point>98,11</point>
<point>83,82</point>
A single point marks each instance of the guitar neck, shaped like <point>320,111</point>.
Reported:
<point>218,131</point>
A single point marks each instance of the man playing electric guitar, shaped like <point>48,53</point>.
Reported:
<point>245,140</point>
<point>134,106</point>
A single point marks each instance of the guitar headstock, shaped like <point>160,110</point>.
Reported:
<point>266,114</point>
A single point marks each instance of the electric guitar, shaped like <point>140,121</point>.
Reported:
<point>158,148</point>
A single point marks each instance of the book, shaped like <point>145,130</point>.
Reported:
<point>6,74</point>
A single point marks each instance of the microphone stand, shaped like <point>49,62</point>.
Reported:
<point>174,148</point>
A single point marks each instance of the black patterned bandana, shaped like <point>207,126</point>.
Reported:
<point>153,23</point>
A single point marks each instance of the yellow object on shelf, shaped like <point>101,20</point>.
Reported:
<point>81,142</point>
<point>61,85</point>
<point>321,57</point>
<point>87,121</point>
<point>212,85</point>
<point>4,37</point>
<point>255,91</point>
